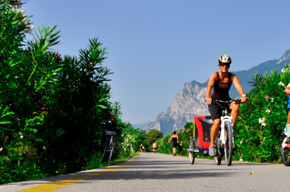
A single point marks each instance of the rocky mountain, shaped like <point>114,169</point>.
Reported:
<point>190,99</point>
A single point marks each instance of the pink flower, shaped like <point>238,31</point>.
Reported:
<point>42,108</point>
<point>190,137</point>
<point>57,57</point>
<point>187,130</point>
<point>267,97</point>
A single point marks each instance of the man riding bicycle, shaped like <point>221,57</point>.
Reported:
<point>287,127</point>
<point>221,82</point>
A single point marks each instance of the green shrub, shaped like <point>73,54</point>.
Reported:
<point>262,118</point>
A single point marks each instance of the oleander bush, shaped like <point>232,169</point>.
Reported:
<point>54,109</point>
<point>131,140</point>
<point>262,118</point>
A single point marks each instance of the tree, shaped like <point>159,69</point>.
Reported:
<point>153,135</point>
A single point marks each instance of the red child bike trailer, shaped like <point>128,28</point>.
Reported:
<point>200,141</point>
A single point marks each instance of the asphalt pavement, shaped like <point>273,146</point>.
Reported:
<point>159,172</point>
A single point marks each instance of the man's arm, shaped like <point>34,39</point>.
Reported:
<point>239,88</point>
<point>210,84</point>
<point>287,90</point>
<point>169,140</point>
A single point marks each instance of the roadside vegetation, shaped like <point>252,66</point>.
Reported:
<point>54,109</point>
<point>262,119</point>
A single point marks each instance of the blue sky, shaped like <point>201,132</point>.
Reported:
<point>155,46</point>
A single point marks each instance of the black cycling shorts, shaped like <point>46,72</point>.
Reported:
<point>216,111</point>
<point>174,144</point>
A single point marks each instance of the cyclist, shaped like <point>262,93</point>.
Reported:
<point>141,147</point>
<point>154,145</point>
<point>174,139</point>
<point>221,82</point>
<point>287,128</point>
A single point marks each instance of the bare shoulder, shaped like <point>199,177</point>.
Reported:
<point>214,76</point>
<point>233,76</point>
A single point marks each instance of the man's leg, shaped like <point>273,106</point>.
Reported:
<point>174,151</point>
<point>287,127</point>
<point>213,133</point>
<point>235,111</point>
<point>288,118</point>
<point>214,130</point>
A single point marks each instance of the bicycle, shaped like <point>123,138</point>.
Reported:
<point>225,139</point>
<point>109,145</point>
<point>285,149</point>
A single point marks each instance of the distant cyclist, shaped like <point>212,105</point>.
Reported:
<point>221,82</point>
<point>174,140</point>
<point>287,128</point>
<point>154,146</point>
<point>141,147</point>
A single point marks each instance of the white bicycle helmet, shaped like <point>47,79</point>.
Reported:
<point>225,59</point>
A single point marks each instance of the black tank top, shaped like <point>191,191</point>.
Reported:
<point>174,139</point>
<point>220,89</point>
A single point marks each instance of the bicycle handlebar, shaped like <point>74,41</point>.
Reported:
<point>237,101</point>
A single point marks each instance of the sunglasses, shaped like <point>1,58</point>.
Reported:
<point>224,64</point>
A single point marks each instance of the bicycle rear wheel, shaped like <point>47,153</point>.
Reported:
<point>108,151</point>
<point>219,155</point>
<point>228,148</point>
<point>285,151</point>
<point>191,154</point>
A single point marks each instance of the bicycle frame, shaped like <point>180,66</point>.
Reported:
<point>225,137</point>
<point>109,145</point>
<point>284,143</point>
<point>225,118</point>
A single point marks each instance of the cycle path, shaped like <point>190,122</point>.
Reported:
<point>158,172</point>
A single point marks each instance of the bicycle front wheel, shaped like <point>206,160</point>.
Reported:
<point>228,148</point>
<point>285,151</point>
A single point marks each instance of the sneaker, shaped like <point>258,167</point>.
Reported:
<point>212,151</point>
<point>174,154</point>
